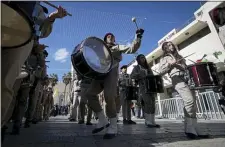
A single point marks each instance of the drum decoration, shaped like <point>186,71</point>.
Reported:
<point>17,23</point>
<point>92,58</point>
<point>203,75</point>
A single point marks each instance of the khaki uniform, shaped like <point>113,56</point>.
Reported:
<point>180,85</point>
<point>124,81</point>
<point>149,99</point>
<point>109,84</point>
<point>37,114</point>
<point>14,59</point>
<point>44,97</point>
<point>176,73</point>
<point>84,85</point>
<point>48,105</point>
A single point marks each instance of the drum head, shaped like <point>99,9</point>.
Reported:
<point>97,55</point>
<point>16,27</point>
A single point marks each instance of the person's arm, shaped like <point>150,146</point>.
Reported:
<point>135,45</point>
<point>165,65</point>
<point>47,25</point>
<point>135,74</point>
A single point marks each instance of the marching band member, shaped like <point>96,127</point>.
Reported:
<point>14,59</point>
<point>138,73</point>
<point>80,100</point>
<point>124,79</point>
<point>173,64</point>
<point>109,85</point>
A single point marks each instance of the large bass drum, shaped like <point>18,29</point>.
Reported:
<point>92,58</point>
<point>17,23</point>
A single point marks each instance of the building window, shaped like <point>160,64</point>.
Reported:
<point>194,38</point>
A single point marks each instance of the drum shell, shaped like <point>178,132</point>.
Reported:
<point>24,9</point>
<point>81,67</point>
<point>200,74</point>
<point>154,84</point>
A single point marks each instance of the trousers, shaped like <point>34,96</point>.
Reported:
<point>13,61</point>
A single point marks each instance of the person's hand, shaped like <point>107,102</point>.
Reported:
<point>171,63</point>
<point>59,13</point>
<point>41,47</point>
<point>140,32</point>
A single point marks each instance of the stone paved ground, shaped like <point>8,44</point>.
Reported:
<point>59,132</point>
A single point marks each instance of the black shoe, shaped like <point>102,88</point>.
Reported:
<point>72,119</point>
<point>203,136</point>
<point>191,136</point>
<point>27,124</point>
<point>34,121</point>
<point>80,122</point>
<point>130,122</point>
<point>4,128</point>
<point>96,130</point>
<point>15,130</point>
<point>125,121</point>
<point>89,123</point>
<point>152,126</point>
<point>109,136</point>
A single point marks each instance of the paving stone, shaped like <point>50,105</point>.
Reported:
<point>59,132</point>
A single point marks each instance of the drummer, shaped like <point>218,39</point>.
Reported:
<point>170,64</point>
<point>124,81</point>
<point>138,73</point>
<point>109,85</point>
<point>14,59</point>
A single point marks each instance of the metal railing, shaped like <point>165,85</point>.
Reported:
<point>207,107</point>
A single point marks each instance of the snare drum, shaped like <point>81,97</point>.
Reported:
<point>17,24</point>
<point>131,93</point>
<point>154,84</point>
<point>92,58</point>
<point>203,75</point>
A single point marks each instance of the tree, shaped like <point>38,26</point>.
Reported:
<point>53,79</point>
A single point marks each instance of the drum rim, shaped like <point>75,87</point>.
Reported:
<point>110,53</point>
<point>200,63</point>
<point>75,67</point>
<point>27,19</point>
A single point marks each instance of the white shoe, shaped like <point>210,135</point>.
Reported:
<point>112,129</point>
<point>102,122</point>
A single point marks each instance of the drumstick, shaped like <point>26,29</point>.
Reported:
<point>184,57</point>
<point>55,6</point>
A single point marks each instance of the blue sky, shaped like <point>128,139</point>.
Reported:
<point>98,18</point>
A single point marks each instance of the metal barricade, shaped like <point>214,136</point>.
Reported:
<point>207,107</point>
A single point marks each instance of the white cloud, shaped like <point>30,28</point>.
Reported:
<point>61,55</point>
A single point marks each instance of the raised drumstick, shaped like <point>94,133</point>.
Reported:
<point>50,4</point>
